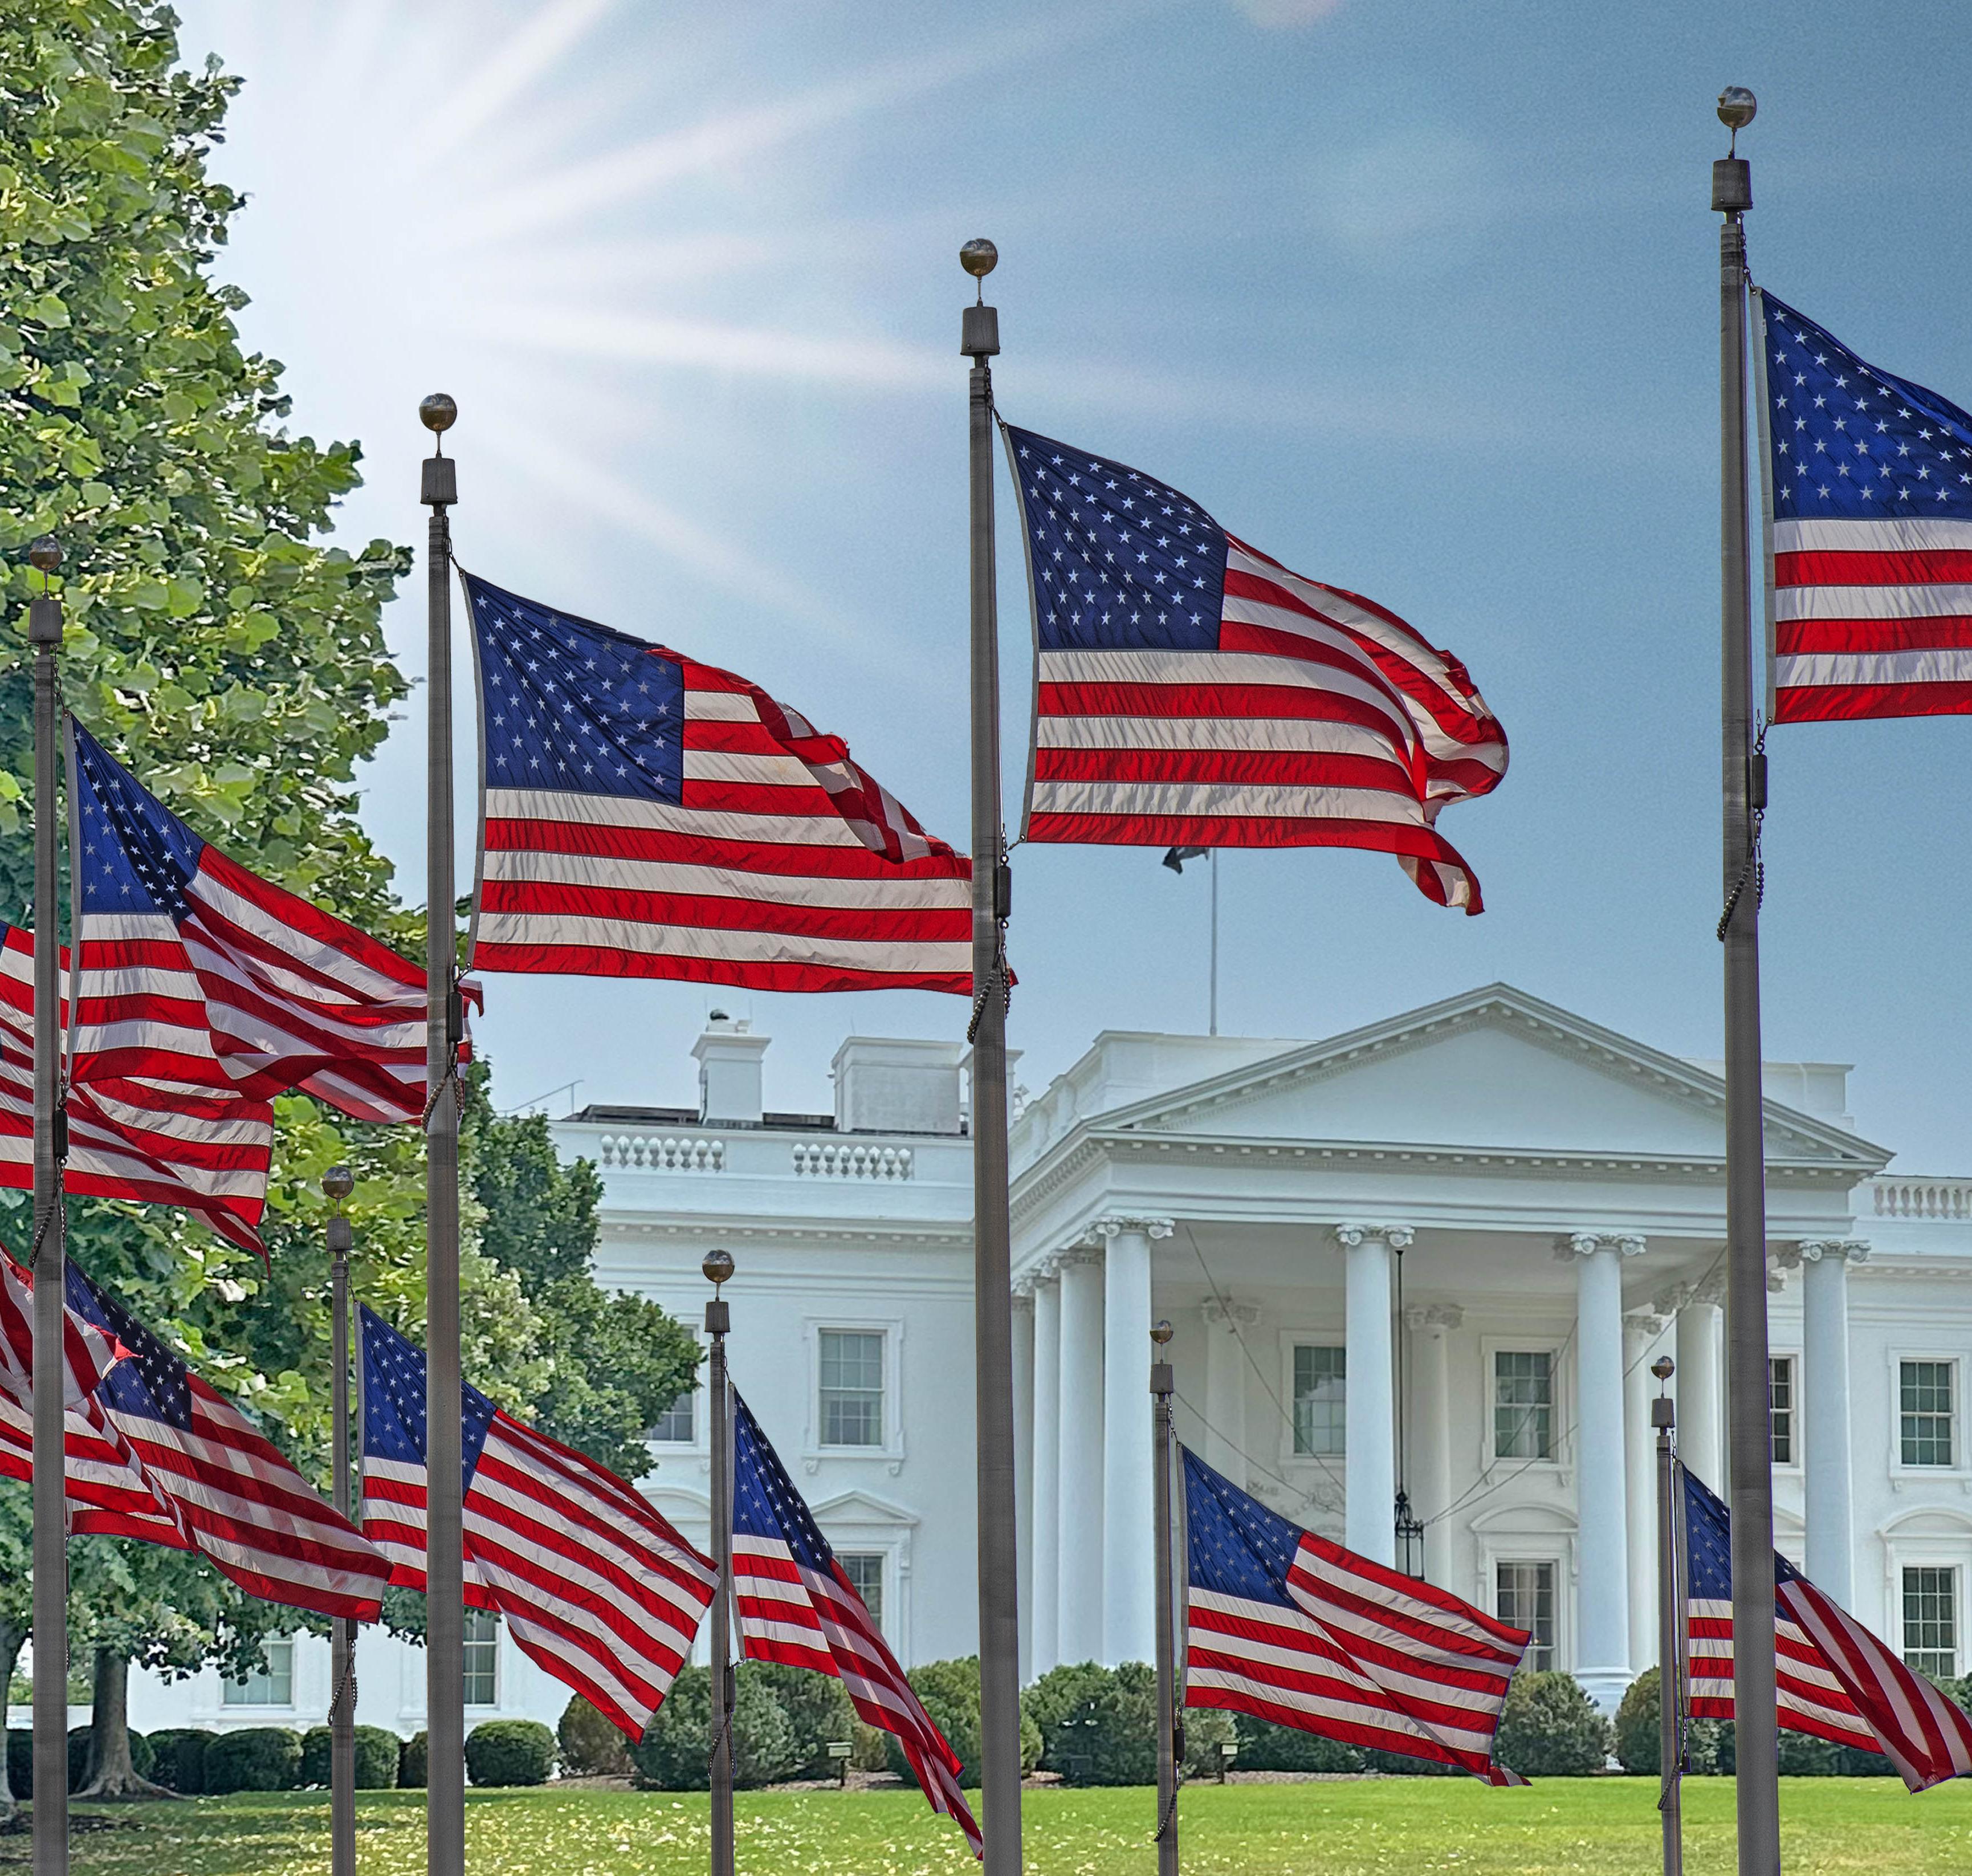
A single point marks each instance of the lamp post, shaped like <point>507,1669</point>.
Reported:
<point>718,1268</point>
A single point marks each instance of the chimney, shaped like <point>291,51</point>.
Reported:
<point>887,1085</point>
<point>728,1069</point>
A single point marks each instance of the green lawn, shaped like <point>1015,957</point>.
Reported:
<point>1347,1828</point>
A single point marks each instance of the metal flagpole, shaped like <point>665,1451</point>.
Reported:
<point>49,1258</point>
<point>1212,865</point>
<point>1670,1630</point>
<point>445,1563</point>
<point>1171,1745</point>
<point>993,1305</point>
<point>718,1268</point>
<point>337,1185</point>
<point>1756,1734</point>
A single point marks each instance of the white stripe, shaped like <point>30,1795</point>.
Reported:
<point>1913,601</point>
<point>824,829</point>
<point>1222,670</point>
<point>562,928</point>
<point>1893,535</point>
<point>359,982</point>
<point>665,876</point>
<point>1942,664</point>
<point>1313,734</point>
<point>1198,798</point>
<point>720,706</point>
<point>753,768</point>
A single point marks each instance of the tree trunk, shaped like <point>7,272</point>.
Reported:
<point>12,1637</point>
<point>111,1774</point>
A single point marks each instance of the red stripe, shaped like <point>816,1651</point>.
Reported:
<point>793,859</point>
<point>600,961</point>
<point>1838,703</point>
<point>874,924</point>
<point>1860,637</point>
<point>1824,567</point>
<point>1305,769</point>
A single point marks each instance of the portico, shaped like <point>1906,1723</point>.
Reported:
<point>1547,1194</point>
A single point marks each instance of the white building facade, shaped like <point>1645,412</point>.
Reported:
<point>1437,1255</point>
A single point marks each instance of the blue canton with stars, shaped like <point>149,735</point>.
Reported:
<point>137,856</point>
<point>153,1384</point>
<point>765,1502</point>
<point>1708,1537</point>
<point>1235,1546</point>
<point>568,705</point>
<point>393,1399</point>
<point>1120,561</point>
<point>1851,441</point>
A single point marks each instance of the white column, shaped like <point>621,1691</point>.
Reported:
<point>1129,1473</point>
<point>1824,1394</point>
<point>1602,1552</point>
<point>1024,1470</point>
<point>1640,1472</point>
<point>1079,1564</point>
<point>1227,1372</point>
<point>1046,1548</point>
<point>1698,1406</point>
<point>1431,1430</point>
<point>1369,1438</point>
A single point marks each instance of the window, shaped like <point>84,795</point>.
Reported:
<point>271,1686</point>
<point>852,1387</point>
<point>1925,1389</point>
<point>677,1425</point>
<point>1320,1399</point>
<point>1522,1404</point>
<point>482,1659</point>
<point>1780,1408</point>
<point>1524,1595</point>
<point>1931,1617</point>
<point>864,1569</point>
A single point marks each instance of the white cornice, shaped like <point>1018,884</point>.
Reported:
<point>628,1225</point>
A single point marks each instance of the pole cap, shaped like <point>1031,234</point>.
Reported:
<point>45,554</point>
<point>336,1183</point>
<point>979,257</point>
<point>718,1267</point>
<point>1162,1333</point>
<point>1664,1368</point>
<point>1738,107</point>
<point>438,412</point>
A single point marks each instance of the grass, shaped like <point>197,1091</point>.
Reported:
<point>1587,1827</point>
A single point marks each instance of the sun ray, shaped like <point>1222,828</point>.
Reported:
<point>529,55</point>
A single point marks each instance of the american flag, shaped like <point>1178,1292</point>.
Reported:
<point>156,1454</point>
<point>594,1585</point>
<point>646,815</point>
<point>1289,1627</point>
<point>202,991</point>
<point>1869,492</point>
<point>1836,1680</point>
<point>797,1606</point>
<point>1194,692</point>
<point>206,1152</point>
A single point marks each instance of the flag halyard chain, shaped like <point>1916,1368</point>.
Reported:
<point>1754,868</point>
<point>999,976</point>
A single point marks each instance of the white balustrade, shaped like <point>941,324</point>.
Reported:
<point>663,1152</point>
<point>1922,1198</point>
<point>834,1160</point>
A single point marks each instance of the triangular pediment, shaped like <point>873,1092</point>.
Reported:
<point>1495,1068</point>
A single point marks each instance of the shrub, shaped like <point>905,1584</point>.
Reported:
<point>1803,1757</point>
<point>1266,1747</point>
<point>256,1758</point>
<point>1402,1765</point>
<point>1550,1728</point>
<point>872,1752</point>
<point>1854,1761</point>
<point>411,1762</point>
<point>818,1708</point>
<point>177,1759</point>
<point>591,1745</point>
<point>1636,1729</point>
<point>143,1755</point>
<point>1099,1725</point>
<point>510,1752</point>
<point>21,1758</point>
<point>377,1752</point>
<point>675,1754</point>
<point>1206,1730</point>
<point>1053,1700</point>
<point>949,1691</point>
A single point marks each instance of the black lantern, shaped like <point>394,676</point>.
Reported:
<point>1410,1538</point>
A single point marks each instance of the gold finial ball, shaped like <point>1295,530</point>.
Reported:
<point>1664,1368</point>
<point>338,1183</point>
<point>1161,1334</point>
<point>1737,107</point>
<point>979,257</point>
<point>438,412</point>
<point>44,553</point>
<point>718,1267</point>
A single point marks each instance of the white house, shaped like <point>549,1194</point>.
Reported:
<point>1438,1254</point>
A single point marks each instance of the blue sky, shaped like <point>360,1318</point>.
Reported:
<point>1420,297</point>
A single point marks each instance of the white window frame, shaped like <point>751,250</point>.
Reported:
<point>499,1661</point>
<point>886,1568</point>
<point>1800,1427</point>
<point>1958,1566</point>
<point>1959,1469</point>
<point>1290,1340</point>
<point>1507,1555</point>
<point>1550,1545</point>
<point>1561,1376</point>
<point>699,1445</point>
<point>891,1448</point>
<point>859,1521</point>
<point>291,1705</point>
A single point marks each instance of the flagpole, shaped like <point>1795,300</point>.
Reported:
<point>993,1301</point>
<point>718,1269</point>
<point>337,1185</point>
<point>1756,1732</point>
<point>50,1508</point>
<point>1670,1631</point>
<point>1169,1742</point>
<point>445,1561</point>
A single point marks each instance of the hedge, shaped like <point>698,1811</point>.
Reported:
<point>949,1691</point>
<point>376,1753</point>
<point>510,1752</point>
<point>256,1758</point>
<point>592,1746</point>
<point>21,1758</point>
<point>1550,1728</point>
<point>818,1708</point>
<point>411,1762</point>
<point>675,1753</point>
<point>1206,1729</point>
<point>177,1759</point>
<point>1266,1747</point>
